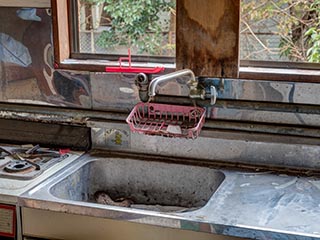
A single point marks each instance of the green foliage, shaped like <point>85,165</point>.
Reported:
<point>313,52</point>
<point>135,24</point>
<point>313,35</point>
<point>295,22</point>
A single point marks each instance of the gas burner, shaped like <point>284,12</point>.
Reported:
<point>28,162</point>
<point>17,166</point>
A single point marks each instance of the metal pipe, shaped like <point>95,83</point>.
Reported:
<point>154,83</point>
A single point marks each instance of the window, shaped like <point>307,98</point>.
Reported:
<point>282,36</point>
<point>278,39</point>
<point>111,27</point>
<point>281,31</point>
<point>100,32</point>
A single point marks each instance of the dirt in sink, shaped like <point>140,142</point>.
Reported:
<point>102,197</point>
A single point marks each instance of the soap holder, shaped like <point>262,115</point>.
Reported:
<point>166,120</point>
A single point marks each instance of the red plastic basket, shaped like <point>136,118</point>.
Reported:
<point>166,120</point>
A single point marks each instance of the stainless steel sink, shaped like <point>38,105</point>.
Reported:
<point>230,202</point>
<point>145,182</point>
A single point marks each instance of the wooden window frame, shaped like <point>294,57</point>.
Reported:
<point>280,71</point>
<point>75,46</point>
<point>63,55</point>
<point>65,58</point>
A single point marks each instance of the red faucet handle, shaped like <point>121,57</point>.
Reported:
<point>135,69</point>
<point>64,151</point>
<point>130,69</point>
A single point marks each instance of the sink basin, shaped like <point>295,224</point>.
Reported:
<point>145,182</point>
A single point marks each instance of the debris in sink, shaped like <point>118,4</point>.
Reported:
<point>103,198</point>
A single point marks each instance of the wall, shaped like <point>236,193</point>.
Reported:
<point>26,69</point>
<point>259,111</point>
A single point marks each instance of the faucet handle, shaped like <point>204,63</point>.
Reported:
<point>196,92</point>
<point>192,83</point>
<point>213,94</point>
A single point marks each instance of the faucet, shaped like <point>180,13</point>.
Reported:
<point>195,92</point>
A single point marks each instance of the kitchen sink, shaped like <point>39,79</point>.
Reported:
<point>144,182</point>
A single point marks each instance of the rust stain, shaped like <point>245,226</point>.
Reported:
<point>217,7</point>
<point>208,49</point>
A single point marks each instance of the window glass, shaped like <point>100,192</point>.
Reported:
<point>280,30</point>
<point>112,26</point>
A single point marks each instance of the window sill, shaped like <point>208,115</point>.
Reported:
<point>279,74</point>
<point>100,65</point>
<point>249,73</point>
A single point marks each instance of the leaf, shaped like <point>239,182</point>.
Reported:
<point>309,51</point>
<point>310,31</point>
<point>13,51</point>
<point>134,23</point>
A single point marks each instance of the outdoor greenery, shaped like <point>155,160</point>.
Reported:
<point>137,24</point>
<point>295,24</point>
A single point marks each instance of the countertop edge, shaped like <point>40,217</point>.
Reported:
<point>164,220</point>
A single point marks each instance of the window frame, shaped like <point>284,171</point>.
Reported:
<point>75,45</point>
<point>66,58</point>
<point>280,71</point>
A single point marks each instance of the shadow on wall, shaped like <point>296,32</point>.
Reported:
<point>26,63</point>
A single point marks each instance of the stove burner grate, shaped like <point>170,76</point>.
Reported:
<point>22,160</point>
<point>18,166</point>
<point>27,162</point>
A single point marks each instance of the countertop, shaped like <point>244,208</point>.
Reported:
<point>259,205</point>
<point>264,206</point>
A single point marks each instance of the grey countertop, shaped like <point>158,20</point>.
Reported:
<point>249,205</point>
<point>264,206</point>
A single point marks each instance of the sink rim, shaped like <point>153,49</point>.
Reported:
<point>40,198</point>
<point>88,159</point>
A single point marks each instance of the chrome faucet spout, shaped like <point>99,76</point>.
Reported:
<point>192,82</point>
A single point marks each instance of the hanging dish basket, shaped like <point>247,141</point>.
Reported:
<point>166,120</point>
